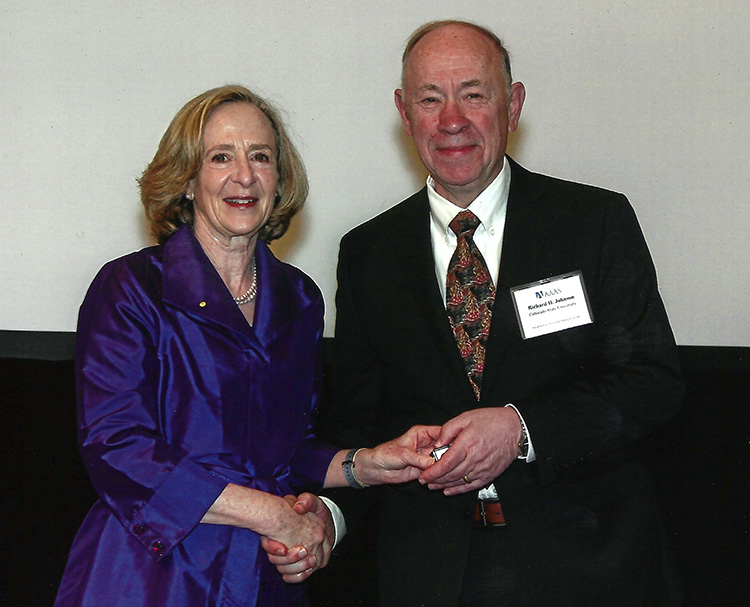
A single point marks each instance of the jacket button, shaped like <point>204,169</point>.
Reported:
<point>139,529</point>
<point>157,547</point>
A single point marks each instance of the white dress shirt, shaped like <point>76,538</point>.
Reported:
<point>489,207</point>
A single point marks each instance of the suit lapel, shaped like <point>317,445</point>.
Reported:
<point>523,240</point>
<point>418,264</point>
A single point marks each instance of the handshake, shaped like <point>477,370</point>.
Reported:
<point>400,460</point>
<point>483,443</point>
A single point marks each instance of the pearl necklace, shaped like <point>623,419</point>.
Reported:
<point>250,294</point>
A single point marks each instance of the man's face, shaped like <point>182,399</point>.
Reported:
<point>455,106</point>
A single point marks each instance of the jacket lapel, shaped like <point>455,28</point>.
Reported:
<point>419,267</point>
<point>191,283</point>
<point>279,303</point>
<point>523,240</point>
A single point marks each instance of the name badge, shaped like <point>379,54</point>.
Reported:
<point>552,305</point>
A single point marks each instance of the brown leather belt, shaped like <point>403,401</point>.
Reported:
<point>489,513</point>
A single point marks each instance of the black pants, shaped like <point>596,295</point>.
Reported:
<point>493,576</point>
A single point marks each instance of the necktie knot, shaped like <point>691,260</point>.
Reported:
<point>465,222</point>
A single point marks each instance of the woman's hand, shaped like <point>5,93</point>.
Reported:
<point>397,461</point>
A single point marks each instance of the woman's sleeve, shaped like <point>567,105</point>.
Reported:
<point>149,483</point>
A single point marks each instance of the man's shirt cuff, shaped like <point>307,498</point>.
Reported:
<point>339,524</point>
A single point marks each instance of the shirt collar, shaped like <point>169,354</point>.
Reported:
<point>489,206</point>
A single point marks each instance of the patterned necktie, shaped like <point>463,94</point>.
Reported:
<point>470,295</point>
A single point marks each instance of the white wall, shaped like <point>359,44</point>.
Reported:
<point>645,97</point>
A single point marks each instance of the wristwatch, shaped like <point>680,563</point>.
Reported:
<point>523,444</point>
<point>348,467</point>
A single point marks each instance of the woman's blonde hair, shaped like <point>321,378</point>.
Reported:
<point>179,157</point>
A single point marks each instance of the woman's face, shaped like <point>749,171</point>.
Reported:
<point>235,189</point>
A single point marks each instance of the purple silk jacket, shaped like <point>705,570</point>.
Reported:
<point>178,396</point>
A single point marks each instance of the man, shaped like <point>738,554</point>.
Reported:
<point>529,328</point>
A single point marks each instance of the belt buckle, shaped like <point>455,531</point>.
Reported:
<point>483,515</point>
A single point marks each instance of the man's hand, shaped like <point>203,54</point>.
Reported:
<point>296,564</point>
<point>484,442</point>
<point>399,460</point>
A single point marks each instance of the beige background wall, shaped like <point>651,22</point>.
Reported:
<point>645,97</point>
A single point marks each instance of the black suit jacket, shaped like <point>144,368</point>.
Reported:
<point>582,519</point>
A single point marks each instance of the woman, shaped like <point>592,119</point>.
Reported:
<point>198,372</point>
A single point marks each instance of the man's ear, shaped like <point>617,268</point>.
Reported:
<point>515,104</point>
<point>399,99</point>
